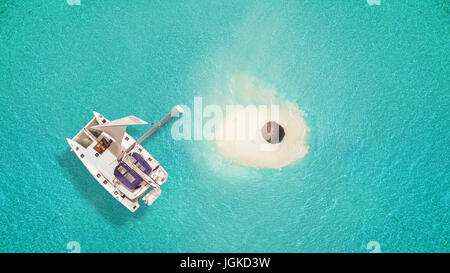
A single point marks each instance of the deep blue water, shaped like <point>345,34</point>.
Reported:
<point>372,80</point>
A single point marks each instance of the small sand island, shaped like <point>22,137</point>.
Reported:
<point>267,132</point>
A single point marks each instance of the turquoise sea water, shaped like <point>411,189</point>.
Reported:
<point>373,81</point>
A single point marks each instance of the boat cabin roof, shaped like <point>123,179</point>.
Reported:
<point>128,176</point>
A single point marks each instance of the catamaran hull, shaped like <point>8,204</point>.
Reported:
<point>105,175</point>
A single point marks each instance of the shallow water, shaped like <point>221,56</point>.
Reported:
<point>372,80</point>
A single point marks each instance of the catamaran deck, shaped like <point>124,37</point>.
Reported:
<point>126,177</point>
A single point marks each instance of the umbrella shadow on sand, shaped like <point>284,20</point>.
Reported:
<point>92,191</point>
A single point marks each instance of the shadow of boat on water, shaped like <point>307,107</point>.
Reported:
<point>96,195</point>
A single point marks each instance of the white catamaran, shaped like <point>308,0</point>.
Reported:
<point>118,162</point>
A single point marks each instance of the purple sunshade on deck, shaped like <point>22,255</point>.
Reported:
<point>142,161</point>
<point>123,177</point>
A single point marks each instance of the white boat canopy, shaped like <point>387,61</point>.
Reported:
<point>117,128</point>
